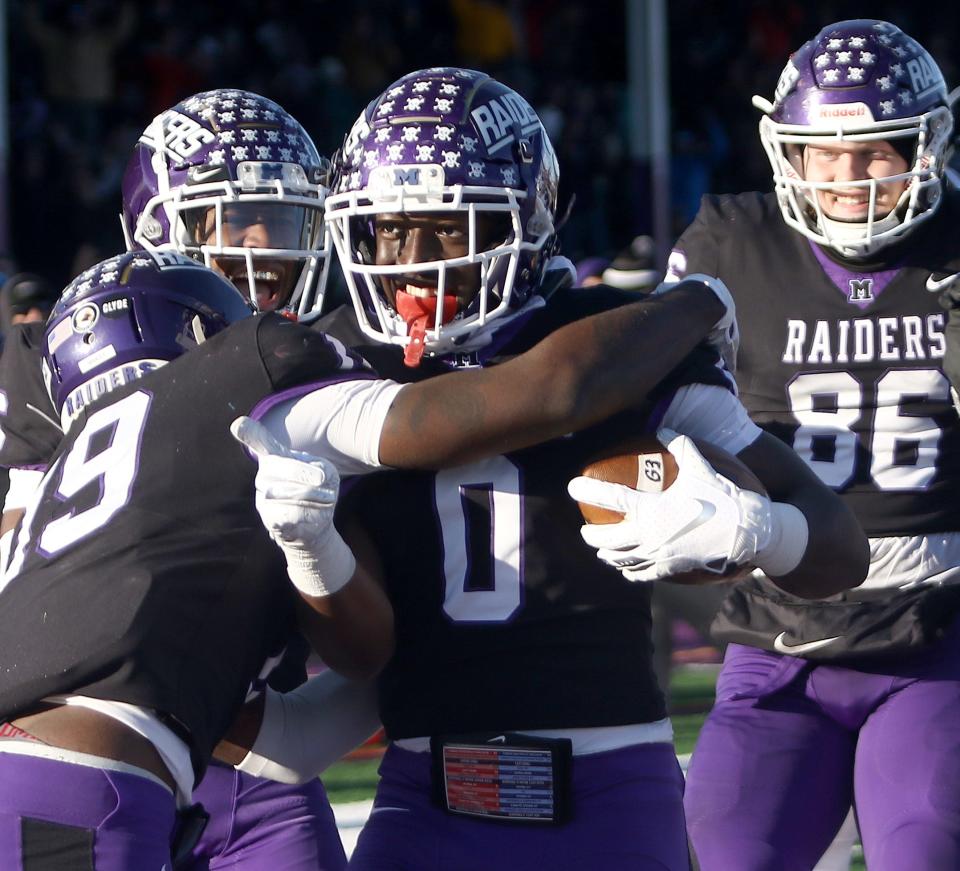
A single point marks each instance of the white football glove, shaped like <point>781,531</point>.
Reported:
<point>703,522</point>
<point>296,497</point>
<point>725,335</point>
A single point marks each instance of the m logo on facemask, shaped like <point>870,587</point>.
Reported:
<point>409,175</point>
<point>861,289</point>
<point>394,185</point>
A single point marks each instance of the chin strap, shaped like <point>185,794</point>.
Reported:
<point>419,314</point>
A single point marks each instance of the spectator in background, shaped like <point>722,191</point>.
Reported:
<point>486,34</point>
<point>25,298</point>
<point>634,268</point>
<point>590,271</point>
<point>169,74</point>
<point>78,50</point>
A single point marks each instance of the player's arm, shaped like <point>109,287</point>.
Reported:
<point>837,554</point>
<point>343,610</point>
<point>578,376</point>
<point>22,485</point>
<point>950,301</point>
<point>292,737</point>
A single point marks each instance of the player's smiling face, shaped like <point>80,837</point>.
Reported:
<point>843,163</point>
<point>257,225</point>
<point>410,238</point>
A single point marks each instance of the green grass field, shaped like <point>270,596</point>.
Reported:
<point>691,695</point>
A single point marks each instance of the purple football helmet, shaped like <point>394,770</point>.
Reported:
<point>221,162</point>
<point>446,140</point>
<point>858,81</point>
<point>127,316</point>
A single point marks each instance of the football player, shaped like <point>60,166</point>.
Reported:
<point>121,667</point>
<point>229,178</point>
<point>233,180</point>
<point>856,698</point>
<point>526,725</point>
<point>125,584</point>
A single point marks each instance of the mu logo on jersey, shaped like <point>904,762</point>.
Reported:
<point>861,289</point>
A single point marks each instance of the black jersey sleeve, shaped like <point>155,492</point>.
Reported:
<point>950,300</point>
<point>295,355</point>
<point>29,434</point>
<point>697,248</point>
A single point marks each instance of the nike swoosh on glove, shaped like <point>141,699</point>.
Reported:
<point>703,522</point>
<point>296,495</point>
<point>725,335</point>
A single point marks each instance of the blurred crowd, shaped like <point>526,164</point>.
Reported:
<point>86,77</point>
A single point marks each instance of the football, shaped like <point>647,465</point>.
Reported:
<point>645,464</point>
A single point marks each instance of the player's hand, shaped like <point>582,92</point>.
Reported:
<point>703,522</point>
<point>296,495</point>
<point>725,335</point>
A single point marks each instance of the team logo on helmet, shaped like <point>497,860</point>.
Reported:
<point>85,318</point>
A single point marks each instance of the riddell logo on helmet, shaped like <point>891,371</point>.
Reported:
<point>844,112</point>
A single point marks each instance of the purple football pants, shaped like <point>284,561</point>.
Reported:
<point>260,825</point>
<point>789,744</point>
<point>59,815</point>
<point>627,816</point>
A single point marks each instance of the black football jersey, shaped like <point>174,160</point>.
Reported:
<point>30,435</point>
<point>505,618</point>
<point>844,363</point>
<point>141,572</point>
<point>29,427</point>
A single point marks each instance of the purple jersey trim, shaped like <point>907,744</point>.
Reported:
<point>37,467</point>
<point>503,336</point>
<point>842,277</point>
<point>274,399</point>
<point>499,339</point>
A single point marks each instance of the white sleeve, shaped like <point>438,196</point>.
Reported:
<point>712,414</point>
<point>307,730</point>
<point>341,422</point>
<point>23,484</point>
